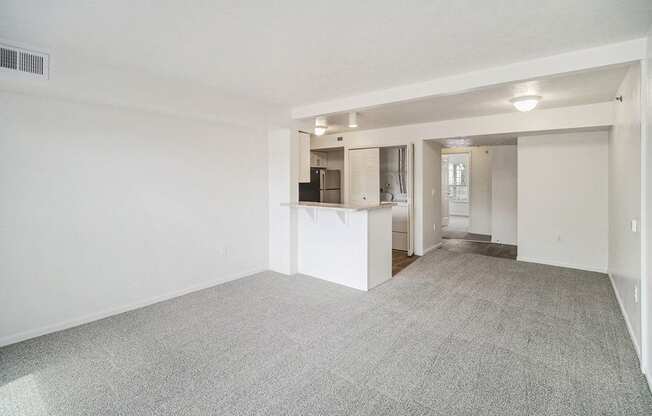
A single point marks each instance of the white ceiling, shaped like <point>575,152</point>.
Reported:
<point>587,87</point>
<point>298,51</point>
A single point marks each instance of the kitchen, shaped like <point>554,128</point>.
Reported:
<point>326,177</point>
<point>376,186</point>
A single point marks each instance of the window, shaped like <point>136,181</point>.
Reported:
<point>458,188</point>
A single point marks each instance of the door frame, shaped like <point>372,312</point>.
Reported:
<point>409,166</point>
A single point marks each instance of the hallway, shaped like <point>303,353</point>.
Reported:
<point>457,228</point>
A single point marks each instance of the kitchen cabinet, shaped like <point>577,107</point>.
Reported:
<point>319,159</point>
<point>304,157</point>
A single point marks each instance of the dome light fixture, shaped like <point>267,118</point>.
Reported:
<point>320,126</point>
<point>526,102</point>
<point>353,119</point>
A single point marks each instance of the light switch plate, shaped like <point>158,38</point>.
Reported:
<point>634,225</point>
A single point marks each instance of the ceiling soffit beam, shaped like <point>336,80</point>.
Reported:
<point>587,116</point>
<point>582,59</point>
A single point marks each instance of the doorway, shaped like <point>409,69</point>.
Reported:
<point>395,187</point>
<point>386,174</point>
<point>479,192</point>
<point>456,196</point>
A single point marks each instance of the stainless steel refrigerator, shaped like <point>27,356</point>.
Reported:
<point>324,186</point>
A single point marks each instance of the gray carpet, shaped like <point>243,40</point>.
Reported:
<point>453,334</point>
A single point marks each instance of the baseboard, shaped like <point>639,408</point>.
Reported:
<point>60,326</point>
<point>560,264</point>
<point>433,247</point>
<point>627,323</point>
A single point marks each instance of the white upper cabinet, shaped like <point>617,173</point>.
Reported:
<point>304,157</point>
<point>319,159</point>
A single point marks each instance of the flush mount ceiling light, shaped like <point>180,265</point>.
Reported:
<point>353,119</point>
<point>320,126</point>
<point>526,102</point>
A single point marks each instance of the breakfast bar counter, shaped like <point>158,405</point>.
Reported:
<point>345,244</point>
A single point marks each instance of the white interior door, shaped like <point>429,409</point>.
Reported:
<point>364,168</point>
<point>410,191</point>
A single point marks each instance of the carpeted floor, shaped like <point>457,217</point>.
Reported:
<point>452,334</point>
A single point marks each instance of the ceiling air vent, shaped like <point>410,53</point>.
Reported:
<point>19,63</point>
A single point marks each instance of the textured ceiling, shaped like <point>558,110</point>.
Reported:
<point>295,52</point>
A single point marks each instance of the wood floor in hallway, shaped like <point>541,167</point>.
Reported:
<point>400,260</point>
<point>503,251</point>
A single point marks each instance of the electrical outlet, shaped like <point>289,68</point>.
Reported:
<point>223,251</point>
<point>635,293</point>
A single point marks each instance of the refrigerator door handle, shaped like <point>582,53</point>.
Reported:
<point>322,179</point>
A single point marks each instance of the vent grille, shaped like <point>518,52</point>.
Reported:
<point>31,63</point>
<point>20,63</point>
<point>8,58</point>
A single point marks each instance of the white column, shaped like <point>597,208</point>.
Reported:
<point>283,157</point>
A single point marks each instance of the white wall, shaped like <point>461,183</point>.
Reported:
<point>625,200</point>
<point>105,209</point>
<point>563,199</point>
<point>646,117</point>
<point>480,219</point>
<point>480,206</point>
<point>503,194</point>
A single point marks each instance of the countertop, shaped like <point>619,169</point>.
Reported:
<point>338,207</point>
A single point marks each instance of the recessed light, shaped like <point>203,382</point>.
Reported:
<point>526,102</point>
